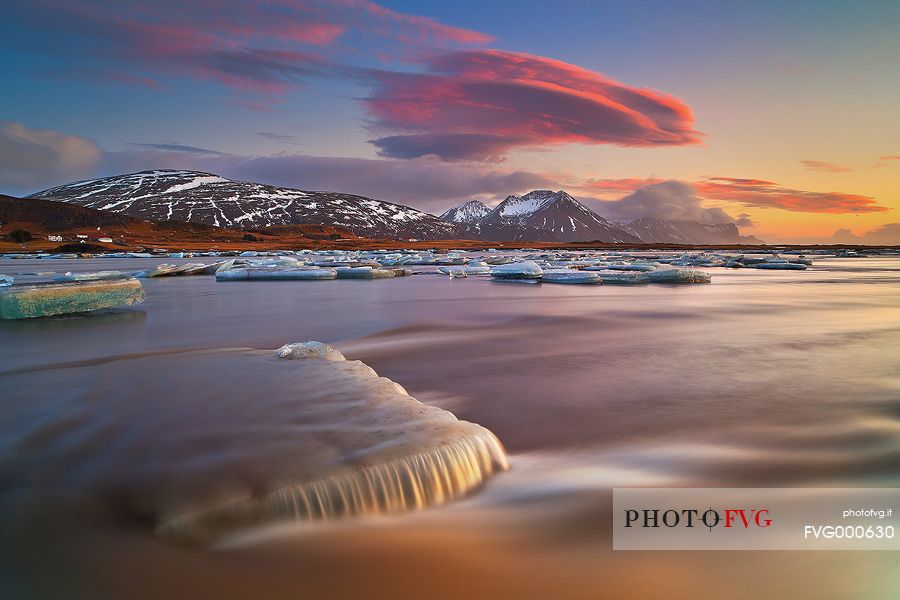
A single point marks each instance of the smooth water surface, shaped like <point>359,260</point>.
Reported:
<point>761,378</point>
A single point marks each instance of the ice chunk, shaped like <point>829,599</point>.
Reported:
<point>781,265</point>
<point>635,266</point>
<point>199,268</point>
<point>363,273</point>
<point>247,438</point>
<point>308,350</point>
<point>43,300</point>
<point>5,280</point>
<point>275,274</point>
<point>167,270</point>
<point>619,277</point>
<point>159,271</point>
<point>95,276</point>
<point>568,276</point>
<point>517,270</point>
<point>678,276</point>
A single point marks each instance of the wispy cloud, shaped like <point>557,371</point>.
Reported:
<point>449,100</point>
<point>827,167</point>
<point>668,200</point>
<point>744,220</point>
<point>42,157</point>
<point>175,147</point>
<point>264,46</point>
<point>760,193</point>
<point>280,137</point>
<point>615,187</point>
<point>884,235</point>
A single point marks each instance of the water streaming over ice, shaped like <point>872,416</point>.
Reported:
<point>413,482</point>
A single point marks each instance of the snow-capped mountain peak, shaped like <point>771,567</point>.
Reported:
<point>518,206</point>
<point>467,212</point>
<point>544,215</point>
<point>195,196</point>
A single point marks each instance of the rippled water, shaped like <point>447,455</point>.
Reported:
<point>761,378</point>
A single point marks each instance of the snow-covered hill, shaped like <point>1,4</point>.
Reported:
<point>168,195</point>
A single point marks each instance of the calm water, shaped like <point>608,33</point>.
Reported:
<point>762,378</point>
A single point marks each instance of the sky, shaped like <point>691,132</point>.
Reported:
<point>778,116</point>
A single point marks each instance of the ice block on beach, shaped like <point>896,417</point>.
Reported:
<point>49,299</point>
<point>5,280</point>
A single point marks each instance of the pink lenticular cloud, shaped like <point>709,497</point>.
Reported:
<point>767,194</point>
<point>420,28</point>
<point>477,104</point>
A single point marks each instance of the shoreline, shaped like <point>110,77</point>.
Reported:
<point>288,243</point>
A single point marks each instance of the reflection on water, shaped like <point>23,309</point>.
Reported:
<point>759,379</point>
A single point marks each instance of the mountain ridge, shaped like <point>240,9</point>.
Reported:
<point>547,216</point>
<point>200,197</point>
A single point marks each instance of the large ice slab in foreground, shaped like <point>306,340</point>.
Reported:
<point>236,437</point>
<point>49,299</point>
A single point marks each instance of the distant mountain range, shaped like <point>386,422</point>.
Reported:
<point>546,216</point>
<point>657,231</point>
<point>194,196</point>
<point>538,216</point>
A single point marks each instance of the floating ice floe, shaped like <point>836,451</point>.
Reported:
<point>158,271</point>
<point>308,350</point>
<point>275,274</point>
<point>621,277</point>
<point>678,276</point>
<point>453,272</point>
<point>636,266</point>
<point>251,439</point>
<point>167,270</point>
<point>474,268</point>
<point>95,276</point>
<point>569,276</point>
<point>364,273</point>
<point>528,270</point>
<point>50,299</point>
<point>781,265</point>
